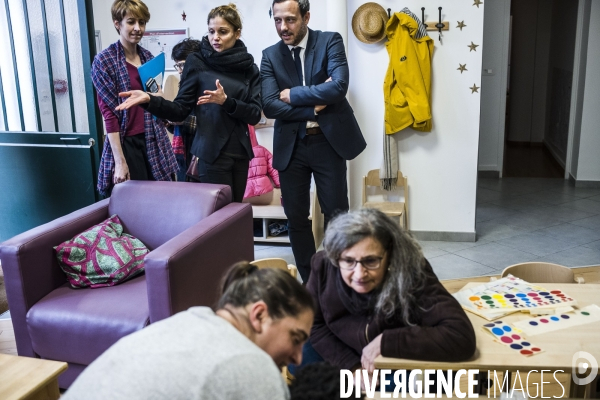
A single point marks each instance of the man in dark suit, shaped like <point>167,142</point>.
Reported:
<point>304,84</point>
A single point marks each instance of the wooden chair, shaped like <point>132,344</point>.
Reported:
<point>542,272</point>
<point>390,208</point>
<point>279,263</point>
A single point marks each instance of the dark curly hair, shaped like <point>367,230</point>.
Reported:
<point>318,381</point>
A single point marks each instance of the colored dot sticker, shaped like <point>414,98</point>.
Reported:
<point>486,297</point>
<point>490,301</point>
<point>555,291</point>
<point>526,352</point>
<point>497,322</point>
<point>489,325</point>
<point>516,337</point>
<point>521,295</point>
<point>506,339</point>
<point>544,293</point>
<point>585,313</point>
<point>565,316</point>
<point>533,323</point>
<point>526,344</point>
<point>506,328</point>
<point>555,318</point>
<point>497,296</point>
<point>497,331</point>
<point>536,349</point>
<point>473,298</point>
<point>544,320</point>
<point>516,346</point>
<point>509,296</point>
<point>532,294</point>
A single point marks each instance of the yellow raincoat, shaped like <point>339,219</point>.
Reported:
<point>407,84</point>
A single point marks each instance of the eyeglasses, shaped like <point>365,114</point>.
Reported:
<point>179,66</point>
<point>370,262</point>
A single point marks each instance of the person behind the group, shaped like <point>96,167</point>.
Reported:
<point>261,321</point>
<point>304,79</point>
<point>376,294</point>
<point>184,131</point>
<point>222,82</point>
<point>318,381</point>
<point>136,147</point>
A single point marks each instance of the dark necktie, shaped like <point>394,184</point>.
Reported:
<point>298,63</point>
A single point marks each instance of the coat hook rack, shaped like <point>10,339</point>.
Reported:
<point>430,26</point>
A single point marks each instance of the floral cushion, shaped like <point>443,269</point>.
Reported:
<point>101,256</point>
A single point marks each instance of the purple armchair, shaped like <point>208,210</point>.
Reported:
<point>194,232</point>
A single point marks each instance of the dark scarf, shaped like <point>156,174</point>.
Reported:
<point>356,303</point>
<point>235,59</point>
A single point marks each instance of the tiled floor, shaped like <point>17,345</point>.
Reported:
<point>517,220</point>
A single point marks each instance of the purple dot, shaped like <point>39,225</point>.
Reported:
<point>526,344</point>
<point>489,325</point>
<point>564,316</point>
<point>533,323</point>
<point>516,346</point>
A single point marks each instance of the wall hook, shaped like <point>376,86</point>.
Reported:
<point>389,13</point>
<point>440,25</point>
<point>423,15</point>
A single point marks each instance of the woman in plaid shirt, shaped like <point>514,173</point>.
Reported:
<point>137,146</point>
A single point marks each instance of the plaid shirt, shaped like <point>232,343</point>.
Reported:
<point>109,75</point>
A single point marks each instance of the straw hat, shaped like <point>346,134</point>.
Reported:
<point>368,23</point>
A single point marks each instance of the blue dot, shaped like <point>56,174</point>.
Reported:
<point>544,293</point>
<point>516,346</point>
<point>506,328</point>
<point>498,331</point>
<point>533,323</point>
<point>554,318</point>
<point>521,295</point>
<point>526,344</point>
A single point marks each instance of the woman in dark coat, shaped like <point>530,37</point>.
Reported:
<point>222,82</point>
<point>375,294</point>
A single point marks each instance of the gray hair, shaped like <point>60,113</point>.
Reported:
<point>303,4</point>
<point>406,274</point>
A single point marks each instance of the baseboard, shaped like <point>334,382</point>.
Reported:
<point>488,174</point>
<point>445,236</point>
<point>587,184</point>
<point>583,184</point>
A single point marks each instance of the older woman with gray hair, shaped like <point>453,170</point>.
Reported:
<point>376,294</point>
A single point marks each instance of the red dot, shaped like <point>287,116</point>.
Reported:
<point>544,320</point>
<point>516,337</point>
<point>555,291</point>
<point>532,294</point>
<point>536,349</point>
<point>526,352</point>
<point>506,339</point>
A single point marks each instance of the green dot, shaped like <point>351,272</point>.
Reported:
<point>585,313</point>
<point>490,301</point>
<point>486,297</point>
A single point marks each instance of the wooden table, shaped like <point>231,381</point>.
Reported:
<point>29,378</point>
<point>559,346</point>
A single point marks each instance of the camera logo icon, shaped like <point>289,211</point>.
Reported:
<point>582,363</point>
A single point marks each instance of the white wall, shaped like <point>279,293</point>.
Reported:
<point>588,168</point>
<point>493,84</point>
<point>441,165</point>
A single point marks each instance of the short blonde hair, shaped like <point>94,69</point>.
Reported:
<point>137,8</point>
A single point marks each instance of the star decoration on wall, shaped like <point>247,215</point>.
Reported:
<point>474,89</point>
<point>477,3</point>
<point>270,13</point>
<point>461,24</point>
<point>462,67</point>
<point>472,46</point>
<point>183,16</point>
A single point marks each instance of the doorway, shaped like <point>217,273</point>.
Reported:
<point>540,75</point>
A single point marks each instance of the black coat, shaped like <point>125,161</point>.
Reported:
<point>442,333</point>
<point>214,124</point>
<point>325,57</point>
